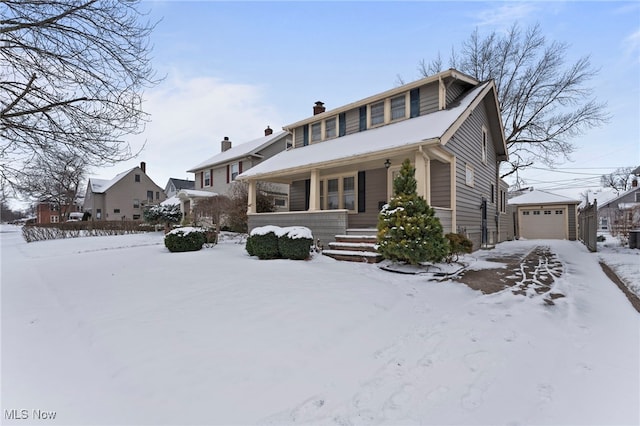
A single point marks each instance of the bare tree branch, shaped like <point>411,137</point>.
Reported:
<point>72,76</point>
<point>544,101</point>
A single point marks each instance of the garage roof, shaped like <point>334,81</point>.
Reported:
<point>541,197</point>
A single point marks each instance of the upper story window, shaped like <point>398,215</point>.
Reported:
<point>330,128</point>
<point>484,144</point>
<point>207,178</point>
<point>137,178</point>
<point>469,178</point>
<point>234,171</point>
<point>150,196</point>
<point>398,107</point>
<point>377,113</point>
<point>316,132</point>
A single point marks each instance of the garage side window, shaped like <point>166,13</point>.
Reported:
<point>525,213</point>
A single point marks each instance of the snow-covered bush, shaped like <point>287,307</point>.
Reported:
<point>408,230</point>
<point>167,214</point>
<point>185,239</point>
<point>273,242</point>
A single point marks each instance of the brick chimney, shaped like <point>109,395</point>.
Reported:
<point>318,108</point>
<point>143,166</point>
<point>268,131</point>
<point>225,144</point>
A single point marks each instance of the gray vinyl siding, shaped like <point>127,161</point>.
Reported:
<point>297,196</point>
<point>440,184</point>
<point>429,98</point>
<point>353,121</point>
<point>453,92</point>
<point>467,146</point>
<point>376,192</point>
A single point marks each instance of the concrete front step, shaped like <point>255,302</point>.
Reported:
<point>354,246</point>
<point>362,231</point>
<point>353,256</point>
<point>370,239</point>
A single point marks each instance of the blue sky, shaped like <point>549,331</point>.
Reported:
<point>232,68</point>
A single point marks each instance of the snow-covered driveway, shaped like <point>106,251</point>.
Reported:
<point>117,330</point>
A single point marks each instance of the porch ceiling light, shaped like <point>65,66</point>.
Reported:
<point>387,163</point>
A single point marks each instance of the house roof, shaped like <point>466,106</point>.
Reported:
<point>404,134</point>
<point>182,183</point>
<point>194,193</point>
<point>615,200</point>
<point>541,197</point>
<point>102,185</point>
<point>242,150</point>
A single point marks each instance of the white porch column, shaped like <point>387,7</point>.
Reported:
<point>251,195</point>
<point>314,192</point>
<point>423,166</point>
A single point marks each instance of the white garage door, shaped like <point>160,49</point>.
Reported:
<point>543,223</point>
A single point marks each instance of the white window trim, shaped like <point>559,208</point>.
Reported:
<point>340,177</point>
<point>469,175</point>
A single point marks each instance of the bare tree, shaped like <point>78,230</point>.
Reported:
<point>54,177</point>
<point>72,76</point>
<point>211,210</point>
<point>619,180</point>
<point>544,101</point>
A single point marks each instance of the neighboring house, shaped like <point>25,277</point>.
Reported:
<point>343,161</point>
<point>218,173</point>
<point>123,197</point>
<point>543,215</point>
<point>622,213</point>
<point>49,212</point>
<point>174,185</point>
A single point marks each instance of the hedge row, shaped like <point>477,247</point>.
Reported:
<point>190,239</point>
<point>272,242</point>
<point>54,231</point>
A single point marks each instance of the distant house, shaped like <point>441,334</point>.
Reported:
<point>621,213</point>
<point>123,197</point>
<point>51,212</point>
<point>543,215</point>
<point>343,162</point>
<point>174,185</point>
<point>218,173</point>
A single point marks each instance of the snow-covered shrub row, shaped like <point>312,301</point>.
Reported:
<point>185,239</point>
<point>274,242</point>
<point>41,232</point>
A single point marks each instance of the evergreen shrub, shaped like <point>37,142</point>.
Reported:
<point>458,244</point>
<point>265,246</point>
<point>185,239</point>
<point>294,247</point>
<point>273,242</point>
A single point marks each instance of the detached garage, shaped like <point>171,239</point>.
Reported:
<point>543,215</point>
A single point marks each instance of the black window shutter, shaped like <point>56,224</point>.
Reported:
<point>361,192</point>
<point>363,118</point>
<point>307,193</point>
<point>305,135</point>
<point>342,120</point>
<point>414,97</point>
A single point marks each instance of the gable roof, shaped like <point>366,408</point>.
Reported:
<point>541,197</point>
<point>251,148</point>
<point>435,127</point>
<point>182,183</point>
<point>99,186</point>
<point>615,200</point>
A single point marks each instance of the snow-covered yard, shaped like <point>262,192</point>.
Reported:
<point>117,330</point>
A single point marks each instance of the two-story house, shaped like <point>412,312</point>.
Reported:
<point>124,197</point>
<point>621,213</point>
<point>218,173</point>
<point>344,160</point>
<point>52,212</point>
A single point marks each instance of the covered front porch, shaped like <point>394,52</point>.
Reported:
<point>345,194</point>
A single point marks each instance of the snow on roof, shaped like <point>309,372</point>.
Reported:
<point>192,193</point>
<point>241,150</point>
<point>615,198</point>
<point>102,185</point>
<point>170,201</point>
<point>541,197</point>
<point>403,134</point>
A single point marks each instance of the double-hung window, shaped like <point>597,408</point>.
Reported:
<point>316,132</point>
<point>377,113</point>
<point>234,171</point>
<point>333,194</point>
<point>330,128</point>
<point>348,193</point>
<point>207,178</point>
<point>398,107</point>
